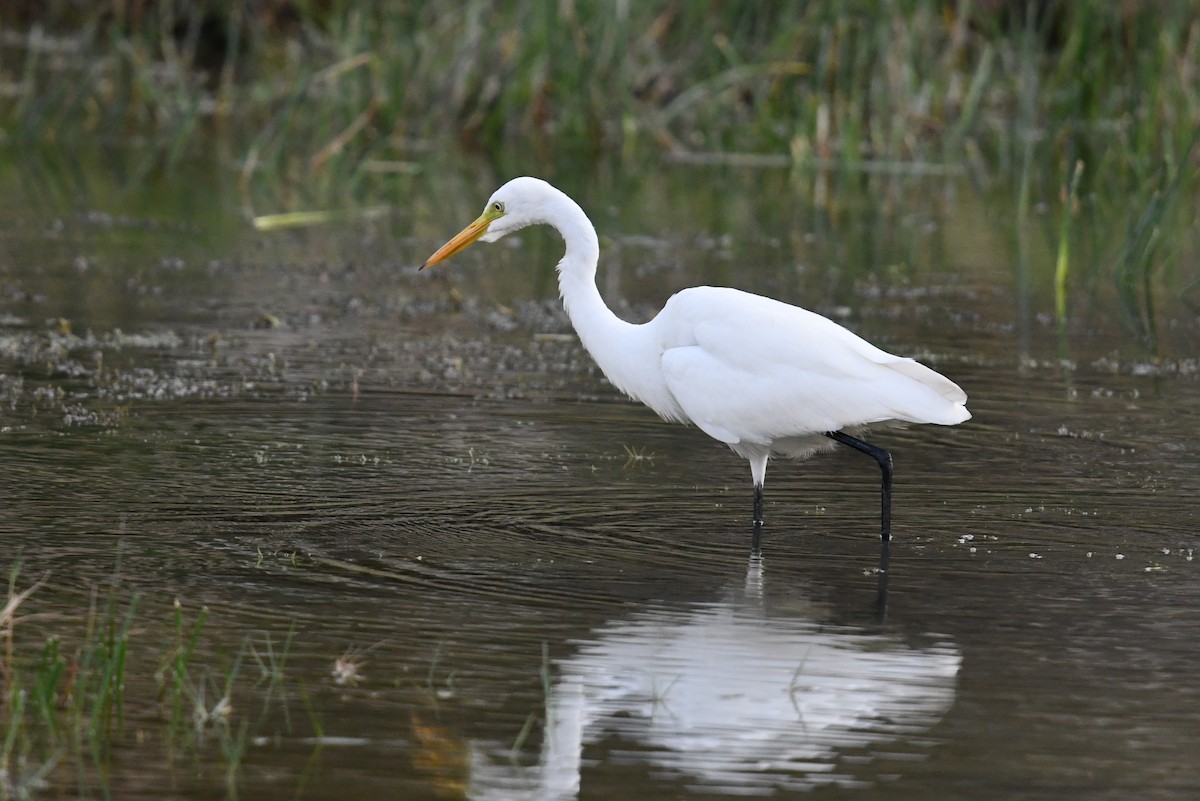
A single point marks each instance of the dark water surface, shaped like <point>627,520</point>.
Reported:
<point>495,579</point>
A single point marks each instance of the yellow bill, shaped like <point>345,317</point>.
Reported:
<point>466,237</point>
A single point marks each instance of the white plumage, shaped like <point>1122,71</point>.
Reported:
<point>762,376</point>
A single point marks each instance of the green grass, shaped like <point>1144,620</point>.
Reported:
<point>1062,260</point>
<point>1140,256</point>
<point>349,89</point>
<point>63,715</point>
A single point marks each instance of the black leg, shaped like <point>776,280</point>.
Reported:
<point>881,587</point>
<point>885,466</point>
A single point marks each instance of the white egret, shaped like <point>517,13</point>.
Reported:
<point>762,376</point>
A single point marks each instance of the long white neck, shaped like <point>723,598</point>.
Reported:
<point>577,269</point>
<point>611,341</point>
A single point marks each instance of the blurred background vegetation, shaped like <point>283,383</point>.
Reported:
<point>1087,107</point>
<point>349,88</point>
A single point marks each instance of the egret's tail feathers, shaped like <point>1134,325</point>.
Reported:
<point>932,379</point>
<point>950,412</point>
<point>958,414</point>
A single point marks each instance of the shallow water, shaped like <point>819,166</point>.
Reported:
<point>496,579</point>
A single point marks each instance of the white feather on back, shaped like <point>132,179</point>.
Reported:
<point>745,368</point>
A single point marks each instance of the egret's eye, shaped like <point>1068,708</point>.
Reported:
<point>498,207</point>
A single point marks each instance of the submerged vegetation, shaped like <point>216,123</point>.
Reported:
<point>65,711</point>
<point>131,696</point>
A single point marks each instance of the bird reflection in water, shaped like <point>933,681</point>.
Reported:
<point>732,696</point>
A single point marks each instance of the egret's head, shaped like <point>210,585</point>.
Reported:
<point>514,206</point>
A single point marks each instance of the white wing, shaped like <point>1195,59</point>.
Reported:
<point>745,368</point>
